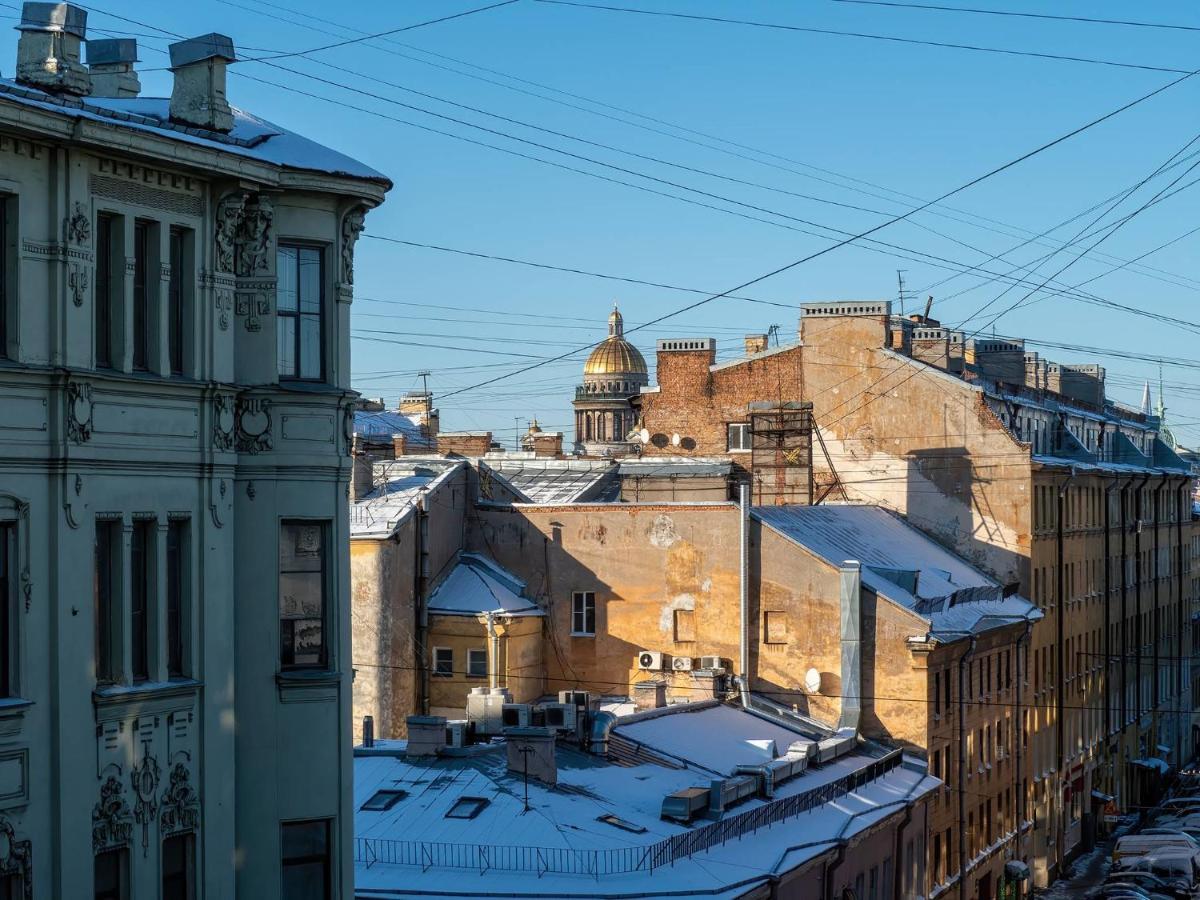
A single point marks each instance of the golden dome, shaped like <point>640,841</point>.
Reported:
<point>615,355</point>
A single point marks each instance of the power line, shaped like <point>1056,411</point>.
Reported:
<point>1022,15</point>
<point>865,35</point>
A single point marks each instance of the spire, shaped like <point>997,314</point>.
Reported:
<point>616,324</point>
<point>1146,409</point>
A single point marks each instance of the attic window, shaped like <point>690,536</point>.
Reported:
<point>618,822</point>
<point>467,807</point>
<point>382,801</point>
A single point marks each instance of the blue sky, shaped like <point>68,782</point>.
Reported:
<point>913,119</point>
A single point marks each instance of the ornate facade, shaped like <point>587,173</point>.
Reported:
<point>613,375</point>
<point>174,440</point>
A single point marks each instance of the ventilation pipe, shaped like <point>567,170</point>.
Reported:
<point>48,48</point>
<point>198,94</point>
<point>362,474</point>
<point>493,652</point>
<point>110,63</point>
<point>603,723</point>
<point>850,577</point>
<point>744,586</point>
<point>368,731</point>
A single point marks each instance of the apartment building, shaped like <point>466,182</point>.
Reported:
<point>1027,469</point>
<point>175,282</point>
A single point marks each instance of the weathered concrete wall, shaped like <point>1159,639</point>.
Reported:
<point>521,668</point>
<point>643,489</point>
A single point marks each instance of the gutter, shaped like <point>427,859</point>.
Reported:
<point>963,661</point>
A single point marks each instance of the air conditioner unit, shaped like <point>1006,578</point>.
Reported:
<point>561,716</point>
<point>516,715</point>
<point>650,661</point>
<point>576,698</point>
<point>712,663</point>
<point>681,663</point>
<point>457,734</point>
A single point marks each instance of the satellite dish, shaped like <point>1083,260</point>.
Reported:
<point>675,439</point>
<point>644,436</point>
<point>812,681</point>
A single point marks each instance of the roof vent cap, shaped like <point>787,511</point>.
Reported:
<point>48,48</point>
<point>110,62</point>
<point>198,94</point>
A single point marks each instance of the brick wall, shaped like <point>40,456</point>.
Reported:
<point>463,443</point>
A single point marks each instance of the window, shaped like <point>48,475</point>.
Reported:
<point>467,807</point>
<point>685,625</point>
<point>7,586</point>
<point>775,628</point>
<point>443,662</point>
<point>583,613</point>
<point>477,663</point>
<point>302,614</point>
<point>141,295</point>
<point>737,437</point>
<point>141,571</point>
<point>176,312</point>
<point>305,860</point>
<point>110,877</point>
<point>178,867</point>
<point>299,318</point>
<point>176,573</point>
<point>105,584</point>
<point>6,270</point>
<point>107,289</point>
<point>382,801</point>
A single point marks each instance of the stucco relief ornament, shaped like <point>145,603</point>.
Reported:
<point>144,778</point>
<point>253,425</point>
<point>16,857</point>
<point>78,281</point>
<point>352,227</point>
<point>223,422</point>
<point>253,256</point>
<point>112,821</point>
<point>79,226</point>
<point>229,220</point>
<point>224,303</point>
<point>180,803</point>
<point>79,411</point>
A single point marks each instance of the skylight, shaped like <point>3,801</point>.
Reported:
<point>623,824</point>
<point>467,807</point>
<point>382,801</point>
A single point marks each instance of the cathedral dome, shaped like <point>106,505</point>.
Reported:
<point>615,355</point>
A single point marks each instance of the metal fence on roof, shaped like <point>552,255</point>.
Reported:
<point>618,860</point>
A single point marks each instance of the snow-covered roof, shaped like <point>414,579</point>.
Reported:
<point>552,481</point>
<point>674,467</point>
<point>478,585</point>
<point>398,485</point>
<point>385,423</point>
<point>715,737</point>
<point>562,848</point>
<point>251,136</point>
<point>902,564</point>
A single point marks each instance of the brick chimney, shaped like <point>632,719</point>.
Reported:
<point>48,48</point>
<point>362,474</point>
<point>755,343</point>
<point>198,95</point>
<point>111,62</point>
<point>547,444</point>
<point>531,751</point>
<point>399,445</point>
<point>464,443</point>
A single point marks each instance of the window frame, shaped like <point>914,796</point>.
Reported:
<point>583,602</point>
<point>743,429</point>
<point>121,854</point>
<point>325,859</point>
<point>142,355</point>
<point>142,597</point>
<point>298,315</point>
<point>435,664</point>
<point>8,272</point>
<point>325,661</point>
<point>188,839</point>
<point>108,291</point>
<point>106,609</point>
<point>180,241</point>
<point>178,607</point>
<point>471,659</point>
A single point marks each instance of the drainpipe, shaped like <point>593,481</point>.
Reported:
<point>963,662</point>
<point>898,869</point>
<point>1060,763</point>
<point>744,584</point>
<point>1018,780</point>
<point>1107,581</point>
<point>1156,624</point>
<point>850,590</point>
<point>418,589</point>
<point>1139,637</point>
<point>493,652</point>
<point>1181,625</point>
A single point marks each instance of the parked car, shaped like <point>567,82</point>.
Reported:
<point>1165,829</point>
<point>1189,825</point>
<point>1126,892</point>
<point>1181,870</point>
<point>1143,843</point>
<point>1190,803</point>
<point>1147,881</point>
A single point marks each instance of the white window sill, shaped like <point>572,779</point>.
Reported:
<point>583,634</point>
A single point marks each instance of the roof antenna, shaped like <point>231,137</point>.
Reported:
<point>928,307</point>
<point>900,283</point>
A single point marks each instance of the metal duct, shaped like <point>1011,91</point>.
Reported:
<point>851,607</point>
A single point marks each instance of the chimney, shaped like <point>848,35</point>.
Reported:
<point>198,95</point>
<point>368,731</point>
<point>48,48</point>
<point>399,445</point>
<point>426,735</point>
<point>111,65</point>
<point>531,752</point>
<point>649,695</point>
<point>755,343</point>
<point>362,475</point>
